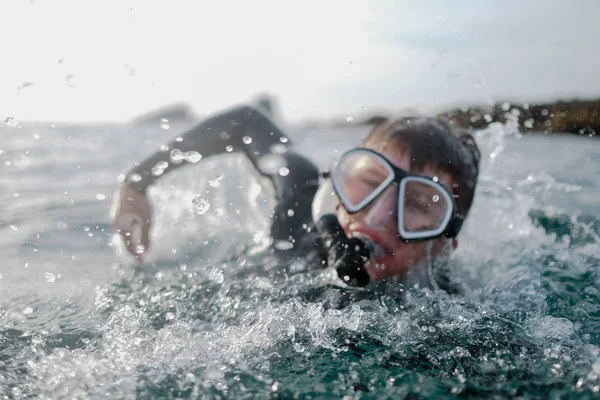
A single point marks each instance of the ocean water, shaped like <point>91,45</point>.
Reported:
<point>209,316</point>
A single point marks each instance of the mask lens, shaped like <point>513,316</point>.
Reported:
<point>359,177</point>
<point>425,206</point>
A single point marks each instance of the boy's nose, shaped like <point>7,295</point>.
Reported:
<point>384,208</point>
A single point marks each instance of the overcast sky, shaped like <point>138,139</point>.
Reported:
<point>112,59</point>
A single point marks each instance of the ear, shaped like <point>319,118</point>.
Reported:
<point>454,243</point>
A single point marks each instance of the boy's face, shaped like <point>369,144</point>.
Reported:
<point>399,256</point>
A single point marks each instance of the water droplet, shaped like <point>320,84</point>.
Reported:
<point>159,168</point>
<point>176,156</point>
<point>179,139</point>
<point>121,178</point>
<point>224,135</point>
<point>50,277</point>
<point>349,118</point>
<point>36,136</point>
<point>270,164</point>
<point>140,248</point>
<point>229,149</point>
<point>70,80</point>
<point>298,347</point>
<point>164,147</point>
<point>435,179</point>
<point>528,123</point>
<point>258,237</point>
<point>216,275</point>
<point>100,196</point>
<point>10,121</point>
<point>192,156</point>
<point>135,177</point>
<point>157,171</point>
<point>215,182</point>
<point>14,228</point>
<point>28,311</point>
<point>23,85</point>
<point>436,198</point>
<point>284,171</point>
<point>162,165</point>
<point>290,213</point>
<point>278,148</point>
<point>283,139</point>
<point>505,106</point>
<point>164,123</point>
<point>492,155</point>
<point>201,205</point>
<point>247,139</point>
<point>283,245</point>
<point>170,316</point>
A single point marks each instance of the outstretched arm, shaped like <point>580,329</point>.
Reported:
<point>242,128</point>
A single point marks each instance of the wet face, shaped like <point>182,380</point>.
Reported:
<point>380,225</point>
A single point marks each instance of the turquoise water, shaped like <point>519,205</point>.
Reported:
<point>208,316</point>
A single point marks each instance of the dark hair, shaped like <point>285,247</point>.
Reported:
<point>432,141</point>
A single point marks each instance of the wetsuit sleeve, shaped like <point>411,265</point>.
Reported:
<point>243,129</point>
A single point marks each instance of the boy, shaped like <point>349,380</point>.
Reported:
<point>399,199</point>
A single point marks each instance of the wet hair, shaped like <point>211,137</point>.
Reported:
<point>433,142</point>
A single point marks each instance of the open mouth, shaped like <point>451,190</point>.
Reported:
<point>377,250</point>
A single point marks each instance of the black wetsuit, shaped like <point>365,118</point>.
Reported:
<point>230,131</point>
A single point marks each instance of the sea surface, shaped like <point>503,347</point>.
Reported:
<point>209,316</point>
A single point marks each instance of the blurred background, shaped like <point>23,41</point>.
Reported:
<point>67,60</point>
<point>87,89</point>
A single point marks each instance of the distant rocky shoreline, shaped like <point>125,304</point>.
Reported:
<point>580,117</point>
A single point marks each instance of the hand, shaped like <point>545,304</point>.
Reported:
<point>131,216</point>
